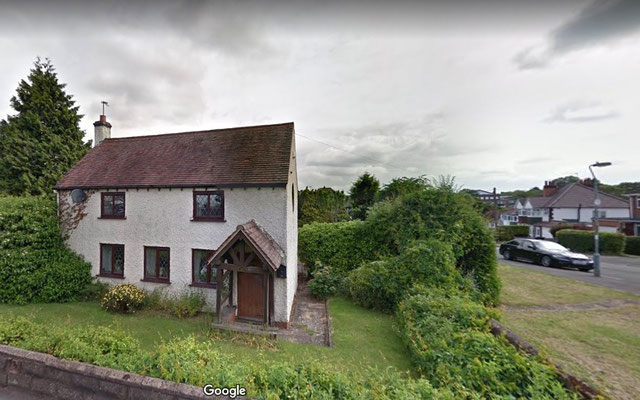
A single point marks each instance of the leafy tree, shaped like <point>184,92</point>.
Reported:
<point>322,205</point>
<point>400,186</point>
<point>565,180</point>
<point>43,140</point>
<point>363,194</point>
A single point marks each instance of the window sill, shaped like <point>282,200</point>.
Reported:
<point>204,285</point>
<point>165,281</point>
<point>208,220</point>
<point>110,276</point>
<point>108,217</point>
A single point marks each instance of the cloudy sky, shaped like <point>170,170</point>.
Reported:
<point>496,93</point>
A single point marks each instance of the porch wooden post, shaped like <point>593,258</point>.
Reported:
<point>219,293</point>
<point>265,279</point>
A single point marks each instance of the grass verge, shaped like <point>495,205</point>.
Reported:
<point>601,346</point>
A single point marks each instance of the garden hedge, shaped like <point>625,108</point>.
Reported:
<point>35,265</point>
<point>583,241</point>
<point>632,245</point>
<point>342,245</point>
<point>444,215</point>
<point>508,232</point>
<point>449,341</point>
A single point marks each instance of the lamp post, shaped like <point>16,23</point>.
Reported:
<point>596,204</point>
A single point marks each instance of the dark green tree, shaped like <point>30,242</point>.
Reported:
<point>43,140</point>
<point>321,205</point>
<point>363,194</point>
<point>400,186</point>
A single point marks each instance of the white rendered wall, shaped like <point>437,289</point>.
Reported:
<point>163,218</point>
<point>586,214</point>
<point>292,228</point>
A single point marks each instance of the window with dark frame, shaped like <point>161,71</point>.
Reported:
<point>112,260</point>
<point>202,275</point>
<point>112,205</point>
<point>156,264</point>
<point>208,206</point>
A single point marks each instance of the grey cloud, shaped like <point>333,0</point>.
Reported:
<point>579,112</point>
<point>601,22</point>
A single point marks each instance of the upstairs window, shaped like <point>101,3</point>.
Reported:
<point>112,260</point>
<point>112,205</point>
<point>203,275</point>
<point>156,264</point>
<point>208,206</point>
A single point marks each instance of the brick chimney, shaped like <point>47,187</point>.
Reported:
<point>102,130</point>
<point>549,188</point>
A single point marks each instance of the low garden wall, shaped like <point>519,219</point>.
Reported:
<point>60,379</point>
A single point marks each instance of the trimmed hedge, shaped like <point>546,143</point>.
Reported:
<point>632,245</point>
<point>342,245</point>
<point>583,241</point>
<point>35,265</point>
<point>507,232</point>
<point>450,344</point>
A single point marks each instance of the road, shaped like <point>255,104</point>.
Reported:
<point>621,273</point>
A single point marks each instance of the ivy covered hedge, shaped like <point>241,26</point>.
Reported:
<point>449,341</point>
<point>35,265</point>
<point>632,245</point>
<point>583,241</point>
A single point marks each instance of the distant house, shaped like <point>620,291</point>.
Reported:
<point>573,203</point>
<point>508,217</point>
<point>212,211</point>
<point>493,197</point>
<point>629,225</point>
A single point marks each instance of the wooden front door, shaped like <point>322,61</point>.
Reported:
<point>251,296</point>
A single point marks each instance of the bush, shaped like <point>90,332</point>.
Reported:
<point>325,283</point>
<point>382,284</point>
<point>124,298</point>
<point>343,245</point>
<point>508,232</point>
<point>444,215</point>
<point>35,266</point>
<point>564,225</point>
<point>448,339</point>
<point>183,305</point>
<point>632,245</point>
<point>582,241</point>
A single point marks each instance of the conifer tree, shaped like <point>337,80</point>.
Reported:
<point>43,140</point>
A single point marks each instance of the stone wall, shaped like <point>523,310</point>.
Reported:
<point>54,378</point>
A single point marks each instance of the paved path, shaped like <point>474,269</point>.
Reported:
<point>309,319</point>
<point>621,273</point>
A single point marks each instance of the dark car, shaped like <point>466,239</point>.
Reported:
<point>545,253</point>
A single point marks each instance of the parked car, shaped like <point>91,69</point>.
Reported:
<point>545,253</point>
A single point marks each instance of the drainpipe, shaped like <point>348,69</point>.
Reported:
<point>579,207</point>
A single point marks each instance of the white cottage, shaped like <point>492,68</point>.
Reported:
<point>211,211</point>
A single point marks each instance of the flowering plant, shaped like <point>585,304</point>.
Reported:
<point>125,298</point>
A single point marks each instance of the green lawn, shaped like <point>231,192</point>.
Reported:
<point>362,337</point>
<point>601,346</point>
<point>523,287</point>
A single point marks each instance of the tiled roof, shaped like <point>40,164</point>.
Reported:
<point>254,155</point>
<point>260,240</point>
<point>538,202</point>
<point>574,194</point>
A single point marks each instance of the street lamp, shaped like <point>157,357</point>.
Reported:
<point>596,203</point>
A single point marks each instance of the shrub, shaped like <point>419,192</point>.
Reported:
<point>124,298</point>
<point>448,339</point>
<point>95,291</point>
<point>582,241</point>
<point>325,283</point>
<point>35,266</point>
<point>632,245</point>
<point>444,215</point>
<point>343,245</point>
<point>182,305</point>
<point>507,232</point>
<point>382,284</point>
<point>564,225</point>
